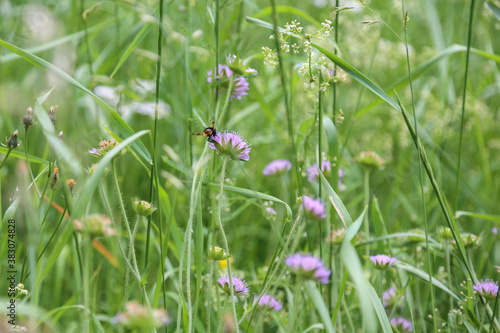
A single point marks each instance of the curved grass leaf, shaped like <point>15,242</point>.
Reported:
<point>123,128</point>
<point>319,304</point>
<point>425,276</point>
<point>138,38</point>
<point>335,200</point>
<point>488,217</point>
<point>380,310</point>
<point>21,155</point>
<point>251,194</point>
<point>353,266</point>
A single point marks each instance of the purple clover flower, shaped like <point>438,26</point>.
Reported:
<point>402,324</point>
<point>313,208</point>
<point>240,287</point>
<point>382,261</point>
<point>268,301</point>
<point>231,144</point>
<point>487,289</point>
<point>277,167</point>
<point>308,267</point>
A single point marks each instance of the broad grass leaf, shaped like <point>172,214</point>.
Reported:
<point>319,304</point>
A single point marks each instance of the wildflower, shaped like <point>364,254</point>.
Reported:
<point>71,183</point>
<point>223,263</point>
<point>277,167</point>
<point>217,253</point>
<point>337,236</point>
<point>53,183</point>
<point>308,267</point>
<point>232,145</point>
<point>270,57</point>
<point>28,119</point>
<point>487,289</point>
<point>326,168</point>
<point>240,84</point>
<point>13,141</point>
<point>494,231</point>
<point>271,211</point>
<point>391,299</point>
<point>268,301</point>
<point>237,66</point>
<point>18,329</point>
<point>470,240</point>
<point>445,233</point>
<point>240,287</point>
<point>382,261</point>
<point>370,160</point>
<point>313,208</point>
<point>97,225</point>
<point>143,208</point>
<point>20,289</point>
<point>137,317</point>
<point>104,147</point>
<point>52,114</point>
<point>402,325</point>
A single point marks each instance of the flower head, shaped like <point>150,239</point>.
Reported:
<point>55,175</point>
<point>370,160</point>
<point>71,184</point>
<point>401,324</point>
<point>382,261</point>
<point>313,172</point>
<point>96,225</point>
<point>445,233</point>
<point>470,240</point>
<point>13,141</point>
<point>391,299</point>
<point>232,145</point>
<point>313,208</point>
<point>308,267</point>
<point>268,301</point>
<point>240,84</point>
<point>52,114</point>
<point>104,147</point>
<point>143,208</point>
<point>28,119</point>
<point>137,317</point>
<point>277,167</point>
<point>487,289</point>
<point>237,65</point>
<point>240,287</point>
<point>217,253</point>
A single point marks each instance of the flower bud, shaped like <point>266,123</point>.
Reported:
<point>216,253</point>
<point>143,208</point>
<point>28,119</point>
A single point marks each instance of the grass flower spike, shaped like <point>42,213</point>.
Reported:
<point>232,145</point>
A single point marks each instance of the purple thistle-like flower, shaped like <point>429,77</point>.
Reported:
<point>390,299</point>
<point>313,208</point>
<point>232,145</point>
<point>240,84</point>
<point>308,267</point>
<point>96,152</point>
<point>382,261</point>
<point>402,324</point>
<point>268,301</point>
<point>487,289</point>
<point>240,287</point>
<point>277,167</point>
<point>326,168</point>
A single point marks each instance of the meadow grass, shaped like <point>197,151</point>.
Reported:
<point>343,175</point>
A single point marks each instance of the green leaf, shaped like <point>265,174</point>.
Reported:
<point>380,311</point>
<point>319,304</point>
<point>21,155</point>
<point>494,8</point>
<point>488,217</point>
<point>123,128</point>
<point>251,194</point>
<point>335,200</point>
<point>138,38</point>
<point>425,276</point>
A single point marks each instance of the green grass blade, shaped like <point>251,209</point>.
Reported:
<point>21,155</point>
<point>251,194</point>
<point>335,200</point>
<point>123,128</point>
<point>488,217</point>
<point>138,38</point>
<point>319,304</point>
<point>379,310</point>
<point>425,276</point>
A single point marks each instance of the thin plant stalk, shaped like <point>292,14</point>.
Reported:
<point>366,187</point>
<point>462,117</point>
<point>5,158</point>
<point>483,315</point>
<point>223,234</point>
<point>319,158</point>
<point>421,175</point>
<point>28,160</point>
